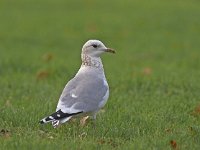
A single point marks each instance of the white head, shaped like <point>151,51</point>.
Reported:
<point>95,48</point>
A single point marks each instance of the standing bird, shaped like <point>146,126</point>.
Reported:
<point>88,91</point>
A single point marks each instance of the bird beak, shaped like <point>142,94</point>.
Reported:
<point>110,50</point>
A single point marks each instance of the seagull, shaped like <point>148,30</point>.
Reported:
<point>86,93</point>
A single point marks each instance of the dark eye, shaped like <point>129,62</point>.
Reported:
<point>95,46</point>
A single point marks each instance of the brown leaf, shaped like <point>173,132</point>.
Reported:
<point>108,142</point>
<point>173,144</point>
<point>147,71</point>
<point>101,141</point>
<point>196,111</point>
<point>42,74</point>
<point>47,57</point>
<point>112,143</point>
<point>92,28</point>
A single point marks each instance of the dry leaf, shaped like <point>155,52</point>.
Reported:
<point>196,111</point>
<point>42,74</point>
<point>108,142</point>
<point>92,28</point>
<point>173,144</point>
<point>101,141</point>
<point>147,71</point>
<point>47,57</point>
<point>112,143</point>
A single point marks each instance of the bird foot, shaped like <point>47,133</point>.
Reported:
<point>83,121</point>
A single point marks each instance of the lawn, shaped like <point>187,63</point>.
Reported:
<point>154,78</point>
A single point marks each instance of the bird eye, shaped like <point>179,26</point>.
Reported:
<point>95,46</point>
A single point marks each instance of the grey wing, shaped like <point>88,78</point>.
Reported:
<point>83,93</point>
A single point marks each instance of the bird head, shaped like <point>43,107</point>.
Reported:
<point>95,48</point>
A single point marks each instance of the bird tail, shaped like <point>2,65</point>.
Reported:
<point>58,115</point>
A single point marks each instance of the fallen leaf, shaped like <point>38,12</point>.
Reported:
<point>173,144</point>
<point>92,28</point>
<point>101,141</point>
<point>42,74</point>
<point>112,143</point>
<point>147,71</point>
<point>108,142</point>
<point>196,111</point>
<point>47,57</point>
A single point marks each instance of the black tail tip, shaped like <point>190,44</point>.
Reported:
<point>41,122</point>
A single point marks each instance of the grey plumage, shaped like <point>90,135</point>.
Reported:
<point>88,91</point>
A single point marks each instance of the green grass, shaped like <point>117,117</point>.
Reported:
<point>154,78</point>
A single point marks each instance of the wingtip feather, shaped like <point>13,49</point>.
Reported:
<point>41,122</point>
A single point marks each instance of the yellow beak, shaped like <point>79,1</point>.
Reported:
<point>110,50</point>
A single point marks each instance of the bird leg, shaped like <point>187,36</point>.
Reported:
<point>83,121</point>
<point>93,117</point>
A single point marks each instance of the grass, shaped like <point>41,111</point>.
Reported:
<point>154,77</point>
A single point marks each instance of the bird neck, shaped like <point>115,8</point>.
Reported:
<point>94,62</point>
